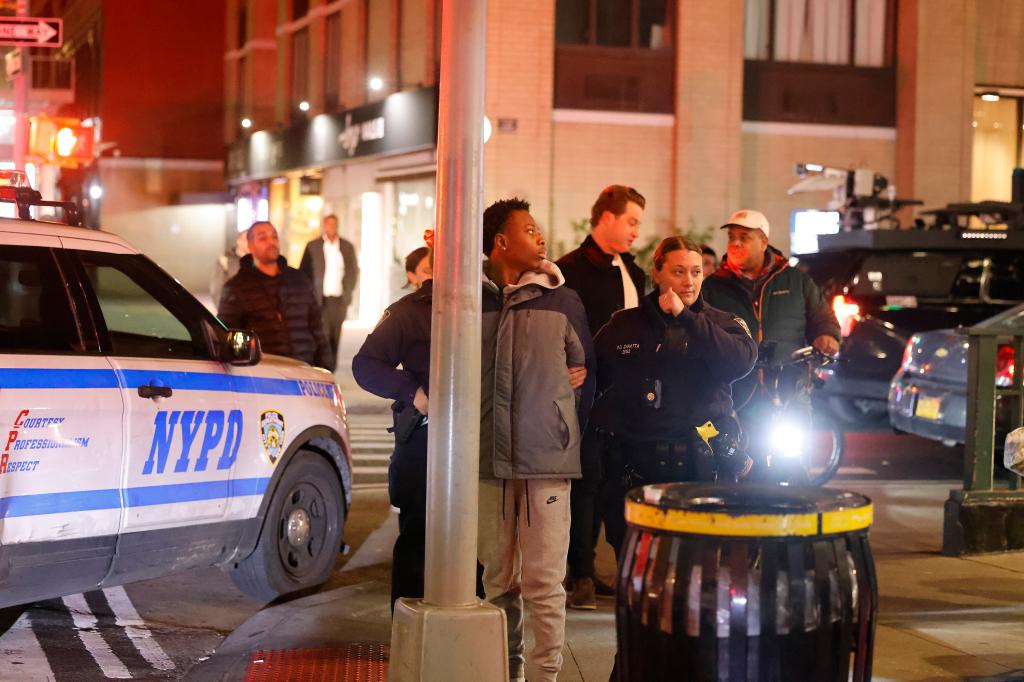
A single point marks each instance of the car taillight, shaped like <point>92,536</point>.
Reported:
<point>1004,366</point>
<point>908,355</point>
<point>847,312</point>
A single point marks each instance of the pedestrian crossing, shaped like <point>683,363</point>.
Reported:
<point>96,635</point>
<point>371,448</point>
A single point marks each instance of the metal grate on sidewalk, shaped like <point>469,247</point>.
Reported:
<point>354,662</point>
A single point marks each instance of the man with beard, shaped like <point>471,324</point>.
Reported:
<point>276,301</point>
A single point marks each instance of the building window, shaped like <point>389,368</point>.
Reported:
<point>243,24</point>
<point>643,24</point>
<point>240,81</point>
<point>300,68</point>
<point>332,62</point>
<point>820,61</point>
<point>851,32</point>
<point>998,145</point>
<point>300,8</point>
<point>615,55</point>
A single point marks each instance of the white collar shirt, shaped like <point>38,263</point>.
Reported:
<point>629,295</point>
<point>334,268</point>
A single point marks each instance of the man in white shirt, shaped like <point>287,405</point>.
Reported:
<point>604,275</point>
<point>330,263</point>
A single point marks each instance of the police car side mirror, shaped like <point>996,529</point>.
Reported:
<point>242,348</point>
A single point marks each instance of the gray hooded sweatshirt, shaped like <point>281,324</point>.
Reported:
<point>531,419</point>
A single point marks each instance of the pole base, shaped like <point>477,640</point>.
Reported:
<point>981,527</point>
<point>451,643</point>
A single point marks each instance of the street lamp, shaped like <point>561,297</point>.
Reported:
<point>376,83</point>
<point>303,105</point>
<point>247,123</point>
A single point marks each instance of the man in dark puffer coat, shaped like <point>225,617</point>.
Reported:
<point>276,301</point>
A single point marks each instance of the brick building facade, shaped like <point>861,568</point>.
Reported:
<point>702,105</point>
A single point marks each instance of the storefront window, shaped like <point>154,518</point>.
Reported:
<point>997,146</point>
<point>413,211</point>
<point>303,221</point>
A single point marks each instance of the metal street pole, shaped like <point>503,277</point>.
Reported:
<point>449,634</point>
<point>21,85</point>
<point>454,440</point>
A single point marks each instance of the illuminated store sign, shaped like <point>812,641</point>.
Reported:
<point>403,122</point>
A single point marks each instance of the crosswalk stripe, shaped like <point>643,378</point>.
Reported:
<point>24,658</point>
<point>128,618</point>
<point>372,446</point>
<point>88,632</point>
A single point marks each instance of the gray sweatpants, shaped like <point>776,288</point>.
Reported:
<point>523,546</point>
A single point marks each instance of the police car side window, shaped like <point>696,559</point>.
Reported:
<point>144,316</point>
<point>35,313</point>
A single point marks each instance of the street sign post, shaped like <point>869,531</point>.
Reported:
<point>31,31</point>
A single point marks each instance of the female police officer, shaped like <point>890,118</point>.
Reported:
<point>664,373</point>
<point>402,338</point>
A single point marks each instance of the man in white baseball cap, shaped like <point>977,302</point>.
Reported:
<point>778,303</point>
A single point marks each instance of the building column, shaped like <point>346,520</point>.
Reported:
<point>709,112</point>
<point>934,99</point>
<point>520,86</point>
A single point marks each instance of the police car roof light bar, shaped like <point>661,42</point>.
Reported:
<point>26,197</point>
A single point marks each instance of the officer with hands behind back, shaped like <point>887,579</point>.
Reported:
<point>664,373</point>
<point>394,362</point>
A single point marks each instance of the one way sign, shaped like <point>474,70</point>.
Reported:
<point>31,31</point>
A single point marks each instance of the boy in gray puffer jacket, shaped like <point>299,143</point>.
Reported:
<point>534,332</point>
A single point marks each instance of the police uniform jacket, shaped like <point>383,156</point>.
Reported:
<point>282,310</point>
<point>695,356</point>
<point>401,338</point>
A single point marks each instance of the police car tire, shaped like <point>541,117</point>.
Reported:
<point>310,484</point>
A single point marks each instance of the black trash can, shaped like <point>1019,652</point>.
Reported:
<point>744,583</point>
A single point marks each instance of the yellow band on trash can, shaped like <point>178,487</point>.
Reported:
<point>754,525</point>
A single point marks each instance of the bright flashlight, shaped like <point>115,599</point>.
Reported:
<point>787,439</point>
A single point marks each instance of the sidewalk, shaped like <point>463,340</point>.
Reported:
<point>940,618</point>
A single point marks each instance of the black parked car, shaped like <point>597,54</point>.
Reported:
<point>886,285</point>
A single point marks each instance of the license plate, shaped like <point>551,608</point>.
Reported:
<point>927,408</point>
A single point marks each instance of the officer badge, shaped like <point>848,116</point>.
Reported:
<point>272,434</point>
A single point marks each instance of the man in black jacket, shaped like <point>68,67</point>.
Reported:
<point>276,301</point>
<point>602,270</point>
<point>331,264</point>
<point>603,273</point>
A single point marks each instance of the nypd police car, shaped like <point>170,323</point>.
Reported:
<point>139,436</point>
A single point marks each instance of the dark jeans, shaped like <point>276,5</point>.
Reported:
<point>586,505</point>
<point>407,490</point>
<point>335,308</point>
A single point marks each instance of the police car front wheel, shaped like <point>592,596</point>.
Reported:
<point>301,533</point>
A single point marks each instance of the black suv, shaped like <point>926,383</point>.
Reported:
<point>887,284</point>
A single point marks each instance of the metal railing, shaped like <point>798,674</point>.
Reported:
<point>985,398</point>
<point>983,516</point>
